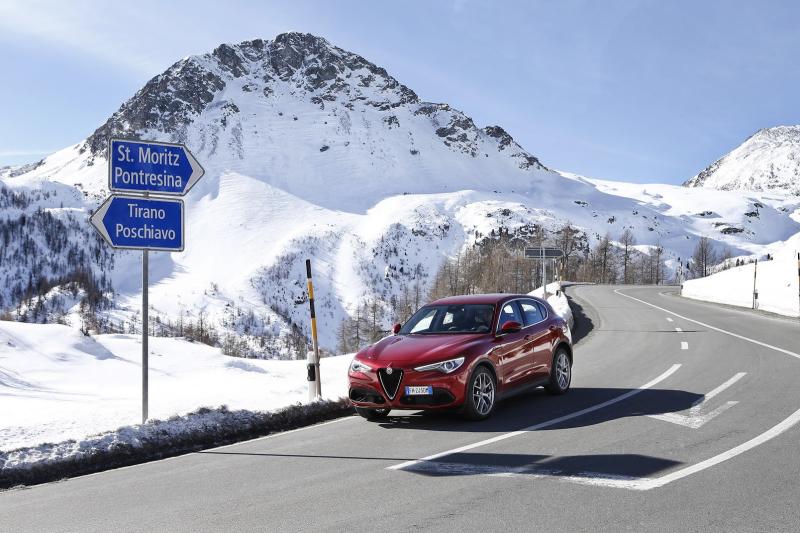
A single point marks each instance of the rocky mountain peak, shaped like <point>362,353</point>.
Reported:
<point>769,160</point>
<point>169,102</point>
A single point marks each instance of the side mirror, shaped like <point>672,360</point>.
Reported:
<point>510,327</point>
<point>396,328</point>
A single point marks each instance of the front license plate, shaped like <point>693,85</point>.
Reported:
<point>425,390</point>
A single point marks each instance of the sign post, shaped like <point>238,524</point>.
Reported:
<point>137,221</point>
<point>543,254</point>
<point>314,379</point>
<point>145,333</point>
<point>755,290</point>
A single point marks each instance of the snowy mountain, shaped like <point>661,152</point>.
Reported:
<point>311,151</point>
<point>768,161</point>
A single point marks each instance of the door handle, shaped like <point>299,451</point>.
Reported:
<point>553,328</point>
<point>528,337</point>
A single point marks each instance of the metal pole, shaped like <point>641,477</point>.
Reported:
<point>544,271</point>
<point>798,284</point>
<point>145,327</point>
<point>755,293</point>
<point>314,379</point>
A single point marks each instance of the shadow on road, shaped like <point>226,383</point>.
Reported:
<point>583,322</point>
<point>617,466</point>
<point>537,406</point>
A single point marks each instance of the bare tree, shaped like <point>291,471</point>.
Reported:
<point>604,256</point>
<point>627,240</point>
<point>703,257</point>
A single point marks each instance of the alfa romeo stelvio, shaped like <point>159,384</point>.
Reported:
<point>465,353</point>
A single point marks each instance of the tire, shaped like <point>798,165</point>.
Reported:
<point>481,395</point>
<point>372,414</point>
<point>560,373</point>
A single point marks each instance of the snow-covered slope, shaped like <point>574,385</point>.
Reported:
<point>58,384</point>
<point>776,282</point>
<point>767,161</point>
<point>313,152</point>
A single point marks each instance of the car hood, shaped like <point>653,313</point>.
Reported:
<point>413,350</point>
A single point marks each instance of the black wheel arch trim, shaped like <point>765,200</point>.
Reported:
<point>564,344</point>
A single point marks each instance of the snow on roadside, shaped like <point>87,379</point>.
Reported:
<point>155,440</point>
<point>776,283</point>
<point>56,384</point>
<point>557,300</point>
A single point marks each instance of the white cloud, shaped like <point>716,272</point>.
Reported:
<point>109,32</point>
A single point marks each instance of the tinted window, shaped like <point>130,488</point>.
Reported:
<point>543,309</point>
<point>467,318</point>
<point>531,311</point>
<point>509,312</point>
<point>423,321</point>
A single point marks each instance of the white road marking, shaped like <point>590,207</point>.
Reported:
<point>709,326</point>
<point>541,425</point>
<point>770,434</point>
<point>696,418</point>
<point>724,386</point>
<point>619,482</point>
<point>669,319</point>
<point>679,330</point>
<point>637,483</point>
<point>684,345</point>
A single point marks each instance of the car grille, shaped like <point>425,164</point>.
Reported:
<point>390,382</point>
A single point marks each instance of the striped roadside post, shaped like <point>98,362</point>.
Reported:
<point>314,380</point>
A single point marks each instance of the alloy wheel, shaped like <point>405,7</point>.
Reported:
<point>563,371</point>
<point>483,393</point>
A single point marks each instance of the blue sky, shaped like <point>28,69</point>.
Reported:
<point>636,90</point>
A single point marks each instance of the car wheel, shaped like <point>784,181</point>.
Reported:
<point>372,414</point>
<point>560,373</point>
<point>481,394</point>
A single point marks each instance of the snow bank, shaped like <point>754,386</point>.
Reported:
<point>56,384</point>
<point>156,439</point>
<point>776,283</point>
<point>557,300</point>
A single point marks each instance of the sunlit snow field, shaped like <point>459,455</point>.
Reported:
<point>56,384</point>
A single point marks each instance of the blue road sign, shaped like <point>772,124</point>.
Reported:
<point>140,223</point>
<point>149,166</point>
<point>543,253</point>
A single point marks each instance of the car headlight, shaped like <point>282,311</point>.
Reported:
<point>358,366</point>
<point>446,367</point>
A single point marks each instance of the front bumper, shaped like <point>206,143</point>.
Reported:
<point>366,390</point>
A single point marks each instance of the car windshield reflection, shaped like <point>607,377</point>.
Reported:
<point>450,319</point>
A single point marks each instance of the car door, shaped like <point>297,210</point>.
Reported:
<point>538,342</point>
<point>511,351</point>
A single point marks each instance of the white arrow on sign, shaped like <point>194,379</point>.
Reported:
<point>696,417</point>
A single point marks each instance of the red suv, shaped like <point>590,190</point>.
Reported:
<point>464,352</point>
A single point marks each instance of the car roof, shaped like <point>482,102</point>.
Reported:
<point>478,299</point>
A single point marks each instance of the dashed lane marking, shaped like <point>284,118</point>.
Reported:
<point>709,326</point>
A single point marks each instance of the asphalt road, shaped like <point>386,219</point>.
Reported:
<point>681,417</point>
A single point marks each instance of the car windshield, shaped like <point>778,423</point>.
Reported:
<point>460,318</point>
